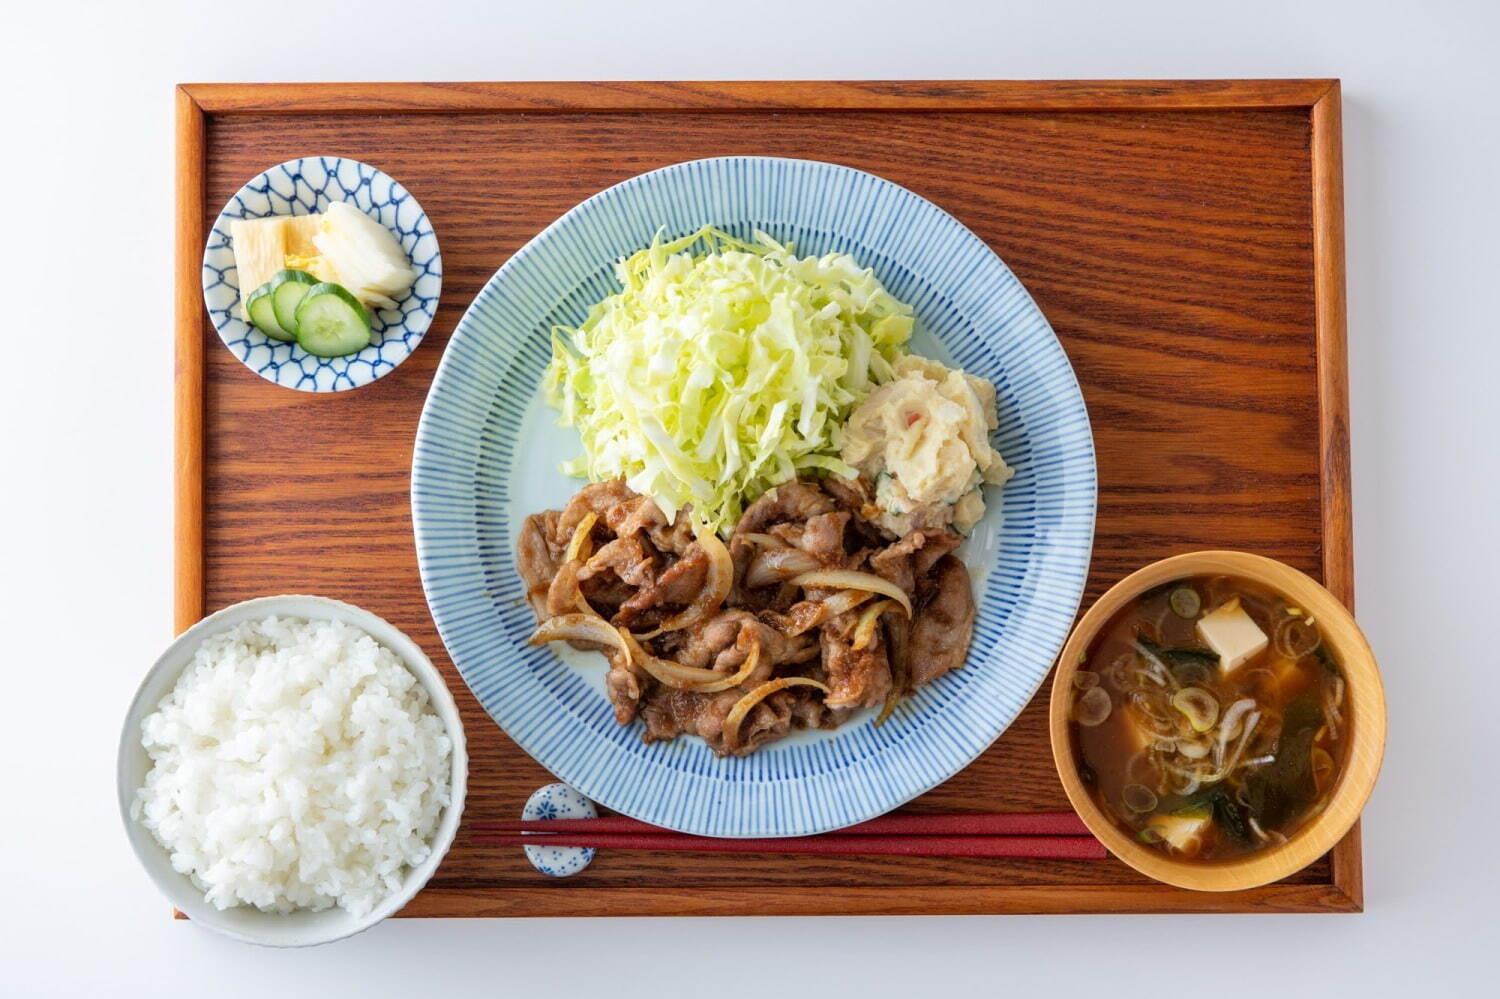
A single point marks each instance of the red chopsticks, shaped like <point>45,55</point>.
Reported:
<point>974,824</point>
<point>1042,835</point>
<point>1025,847</point>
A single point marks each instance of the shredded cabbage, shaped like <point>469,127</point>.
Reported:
<point>711,377</point>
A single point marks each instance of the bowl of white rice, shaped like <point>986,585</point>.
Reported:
<point>292,770</point>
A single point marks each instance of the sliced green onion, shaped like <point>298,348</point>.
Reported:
<point>1185,602</point>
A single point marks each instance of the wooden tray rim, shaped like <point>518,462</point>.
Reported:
<point>1321,98</point>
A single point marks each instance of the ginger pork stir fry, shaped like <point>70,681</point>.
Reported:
<point>805,615</point>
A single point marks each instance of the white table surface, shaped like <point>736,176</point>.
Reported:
<point>87,208</point>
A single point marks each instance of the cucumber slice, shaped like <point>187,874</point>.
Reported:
<point>263,314</point>
<point>287,289</point>
<point>331,322</point>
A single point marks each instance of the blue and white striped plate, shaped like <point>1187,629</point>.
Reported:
<point>487,453</point>
<point>303,187</point>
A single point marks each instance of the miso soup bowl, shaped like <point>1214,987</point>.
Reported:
<point>1365,697</point>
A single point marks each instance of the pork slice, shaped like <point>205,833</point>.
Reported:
<point>674,538</point>
<point>677,585</point>
<point>850,494</point>
<point>768,721</point>
<point>724,641</point>
<point>935,544</point>
<point>700,645</point>
<point>912,557</point>
<point>857,678</point>
<point>788,501</point>
<point>627,558</point>
<point>944,623</point>
<point>596,498</point>
<point>536,561</point>
<point>670,713</point>
<point>821,536</point>
<point>802,617</point>
<point>894,562</point>
<point>623,511</point>
<point>623,686</point>
<point>563,594</point>
<point>605,593</point>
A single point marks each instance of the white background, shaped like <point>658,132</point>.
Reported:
<point>86,209</point>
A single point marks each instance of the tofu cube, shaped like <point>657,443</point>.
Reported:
<point>1230,632</point>
<point>1291,678</point>
<point>1178,830</point>
<point>1136,738</point>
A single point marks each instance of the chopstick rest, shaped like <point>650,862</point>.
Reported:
<point>554,802</point>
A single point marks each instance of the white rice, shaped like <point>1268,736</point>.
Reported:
<point>297,765</point>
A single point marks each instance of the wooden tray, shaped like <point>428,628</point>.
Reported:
<point>1185,239</point>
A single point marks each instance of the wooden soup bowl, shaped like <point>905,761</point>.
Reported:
<point>1364,697</point>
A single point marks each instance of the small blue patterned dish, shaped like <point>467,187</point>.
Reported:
<point>304,187</point>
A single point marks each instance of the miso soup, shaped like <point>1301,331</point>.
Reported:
<point>1209,718</point>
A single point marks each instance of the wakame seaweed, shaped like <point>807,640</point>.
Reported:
<point>1224,809</point>
<point>1283,788</point>
<point>1325,659</point>
<point>1177,659</point>
<point>1159,590</point>
<point>1227,814</point>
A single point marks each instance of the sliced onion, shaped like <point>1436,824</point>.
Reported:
<point>1189,786</point>
<point>669,673</point>
<point>1232,716</point>
<point>1192,675</point>
<point>1193,750</point>
<point>715,587</point>
<point>1295,638</point>
<point>778,565</point>
<point>1265,681</point>
<point>843,579</point>
<point>744,704</point>
<point>822,610</point>
<point>1321,763</point>
<point>1140,768</point>
<point>899,636</point>
<point>869,618</point>
<point>1157,670</point>
<point>844,600</point>
<point>1093,707</point>
<point>1197,705</point>
<point>580,628</point>
<point>764,540</point>
<point>1149,717</point>
<point>1138,797</point>
<point>1115,671</point>
<point>1151,709</point>
<point>743,674</point>
<point>581,546</point>
<point>1248,729</point>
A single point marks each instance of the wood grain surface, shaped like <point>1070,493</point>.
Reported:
<point>1184,239</point>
